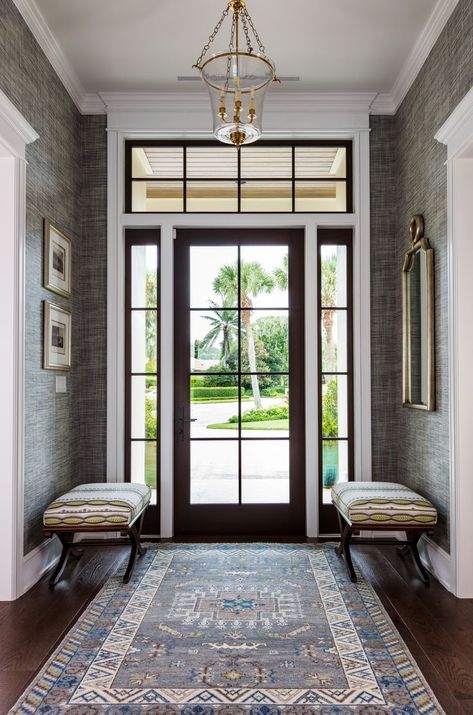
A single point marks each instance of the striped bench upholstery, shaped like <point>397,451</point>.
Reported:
<point>383,504</point>
<point>97,505</point>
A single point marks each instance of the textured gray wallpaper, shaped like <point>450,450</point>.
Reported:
<point>93,287</point>
<point>55,188</point>
<point>408,165</point>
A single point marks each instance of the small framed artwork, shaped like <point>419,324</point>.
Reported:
<point>57,260</point>
<point>57,337</point>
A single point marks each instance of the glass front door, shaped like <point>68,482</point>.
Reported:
<point>239,382</point>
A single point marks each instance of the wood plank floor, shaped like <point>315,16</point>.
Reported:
<point>437,628</point>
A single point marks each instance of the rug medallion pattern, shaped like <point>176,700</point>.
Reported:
<point>261,629</point>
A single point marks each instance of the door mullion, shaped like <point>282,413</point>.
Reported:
<point>239,370</point>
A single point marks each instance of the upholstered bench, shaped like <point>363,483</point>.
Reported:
<point>98,507</point>
<point>375,506</point>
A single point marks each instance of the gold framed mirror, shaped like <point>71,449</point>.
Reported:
<point>418,320</point>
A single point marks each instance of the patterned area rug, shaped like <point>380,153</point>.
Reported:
<point>233,629</point>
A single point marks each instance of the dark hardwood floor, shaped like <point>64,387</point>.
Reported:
<point>437,628</point>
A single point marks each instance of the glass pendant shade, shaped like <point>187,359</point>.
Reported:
<point>237,112</point>
<point>237,81</point>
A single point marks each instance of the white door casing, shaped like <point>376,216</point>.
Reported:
<point>457,134</point>
<point>15,134</point>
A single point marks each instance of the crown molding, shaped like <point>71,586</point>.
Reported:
<point>33,17</point>
<point>92,103</point>
<point>275,101</point>
<point>389,103</point>
<point>99,103</point>
<point>383,104</point>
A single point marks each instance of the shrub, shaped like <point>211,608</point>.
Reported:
<point>330,410</point>
<point>197,381</point>
<point>210,380</point>
<point>200,393</point>
<point>150,420</point>
<point>276,391</point>
<point>272,413</point>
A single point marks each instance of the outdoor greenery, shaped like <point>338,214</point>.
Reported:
<point>281,412</point>
<point>215,392</point>
<point>261,426</point>
<point>330,409</point>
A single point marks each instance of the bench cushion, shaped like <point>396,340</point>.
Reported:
<point>383,503</point>
<point>100,505</point>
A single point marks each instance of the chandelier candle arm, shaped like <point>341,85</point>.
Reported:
<point>237,79</point>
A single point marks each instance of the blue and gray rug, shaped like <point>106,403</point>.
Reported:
<point>246,629</point>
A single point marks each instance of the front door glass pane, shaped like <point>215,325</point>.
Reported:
<point>214,406</point>
<point>214,469</point>
<point>264,277</point>
<point>265,472</point>
<point>239,374</point>
<point>213,276</point>
<point>265,340</point>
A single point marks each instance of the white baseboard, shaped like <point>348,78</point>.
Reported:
<point>437,561</point>
<point>37,562</point>
<point>434,558</point>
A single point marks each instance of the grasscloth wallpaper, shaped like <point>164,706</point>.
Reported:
<point>58,445</point>
<point>93,287</point>
<point>409,176</point>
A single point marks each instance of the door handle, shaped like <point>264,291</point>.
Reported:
<point>181,421</point>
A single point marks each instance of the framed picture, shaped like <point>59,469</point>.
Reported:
<point>57,337</point>
<point>57,260</point>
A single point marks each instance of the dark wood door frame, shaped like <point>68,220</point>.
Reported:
<point>241,519</point>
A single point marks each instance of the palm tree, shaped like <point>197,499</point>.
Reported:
<point>328,288</point>
<point>254,280</point>
<point>281,275</point>
<point>223,322</point>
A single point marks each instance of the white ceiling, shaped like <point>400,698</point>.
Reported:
<point>143,45</point>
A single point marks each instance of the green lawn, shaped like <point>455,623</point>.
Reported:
<point>268,425</point>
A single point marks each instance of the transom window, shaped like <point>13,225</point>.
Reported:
<point>270,177</point>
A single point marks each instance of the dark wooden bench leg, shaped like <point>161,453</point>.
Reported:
<point>66,540</point>
<point>346,532</point>
<point>136,548</point>
<point>413,539</point>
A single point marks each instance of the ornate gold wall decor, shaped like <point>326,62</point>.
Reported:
<point>418,320</point>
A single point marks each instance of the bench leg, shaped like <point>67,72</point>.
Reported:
<point>413,539</point>
<point>136,548</point>
<point>346,532</point>
<point>66,540</point>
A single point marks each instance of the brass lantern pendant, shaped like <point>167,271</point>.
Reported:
<point>237,79</point>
